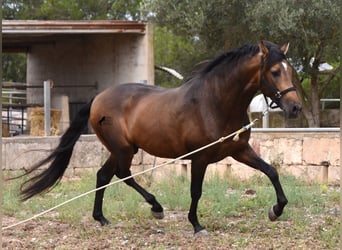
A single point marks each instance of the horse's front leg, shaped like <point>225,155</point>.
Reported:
<point>197,176</point>
<point>249,157</point>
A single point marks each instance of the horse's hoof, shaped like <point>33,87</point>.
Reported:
<point>158,215</point>
<point>271,215</point>
<point>202,233</point>
<point>103,221</point>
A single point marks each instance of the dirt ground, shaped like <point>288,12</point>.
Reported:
<point>172,232</point>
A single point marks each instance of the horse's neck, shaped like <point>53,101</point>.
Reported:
<point>236,91</point>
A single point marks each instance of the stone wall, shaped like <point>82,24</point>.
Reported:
<point>308,155</point>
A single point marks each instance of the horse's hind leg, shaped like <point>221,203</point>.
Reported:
<point>104,175</point>
<point>123,172</point>
<point>120,167</point>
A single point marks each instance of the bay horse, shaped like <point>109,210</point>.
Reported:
<point>168,123</point>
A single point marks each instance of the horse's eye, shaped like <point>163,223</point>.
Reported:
<point>275,73</point>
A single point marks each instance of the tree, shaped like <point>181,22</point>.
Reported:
<point>173,51</point>
<point>313,30</point>
<point>198,25</point>
<point>21,9</point>
<point>311,26</point>
<point>14,67</point>
<point>214,24</point>
<point>72,9</point>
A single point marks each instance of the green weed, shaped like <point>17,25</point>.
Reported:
<point>230,205</point>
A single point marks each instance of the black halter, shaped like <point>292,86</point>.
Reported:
<point>276,94</point>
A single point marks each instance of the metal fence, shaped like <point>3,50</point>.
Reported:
<point>14,108</point>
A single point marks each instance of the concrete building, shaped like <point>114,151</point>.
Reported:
<point>82,58</point>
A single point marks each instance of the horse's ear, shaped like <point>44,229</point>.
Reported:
<point>285,48</point>
<point>263,49</point>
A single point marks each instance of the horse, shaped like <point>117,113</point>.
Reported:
<point>168,123</point>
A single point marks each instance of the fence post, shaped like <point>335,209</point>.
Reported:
<point>266,116</point>
<point>47,107</point>
<point>325,171</point>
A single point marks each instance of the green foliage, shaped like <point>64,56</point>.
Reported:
<point>311,27</point>
<point>72,9</point>
<point>127,9</point>
<point>215,24</point>
<point>14,67</point>
<point>21,9</point>
<point>65,10</point>
<point>173,51</point>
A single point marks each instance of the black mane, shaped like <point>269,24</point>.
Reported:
<point>232,57</point>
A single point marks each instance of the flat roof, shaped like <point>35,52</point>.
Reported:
<point>19,34</point>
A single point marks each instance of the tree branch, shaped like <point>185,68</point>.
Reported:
<point>331,76</point>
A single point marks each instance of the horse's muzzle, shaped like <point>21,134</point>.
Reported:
<point>292,110</point>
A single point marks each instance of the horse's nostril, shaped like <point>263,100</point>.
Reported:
<point>297,108</point>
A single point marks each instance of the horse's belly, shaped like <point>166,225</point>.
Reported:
<point>160,143</point>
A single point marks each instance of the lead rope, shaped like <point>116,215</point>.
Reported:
<point>220,140</point>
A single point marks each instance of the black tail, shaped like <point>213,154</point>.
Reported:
<point>59,158</point>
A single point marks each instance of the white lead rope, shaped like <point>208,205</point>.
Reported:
<point>220,140</point>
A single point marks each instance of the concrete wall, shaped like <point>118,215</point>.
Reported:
<point>89,59</point>
<point>300,154</point>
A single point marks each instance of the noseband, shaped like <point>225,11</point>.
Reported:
<point>276,94</point>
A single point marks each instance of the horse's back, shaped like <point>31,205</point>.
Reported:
<point>120,98</point>
<point>137,114</point>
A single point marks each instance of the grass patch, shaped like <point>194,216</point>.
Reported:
<point>229,206</point>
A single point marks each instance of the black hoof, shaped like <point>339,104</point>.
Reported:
<point>158,215</point>
<point>103,221</point>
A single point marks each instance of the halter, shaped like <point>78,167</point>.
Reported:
<point>276,94</point>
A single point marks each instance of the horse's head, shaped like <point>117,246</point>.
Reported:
<point>276,79</point>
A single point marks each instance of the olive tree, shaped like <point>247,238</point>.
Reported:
<point>311,27</point>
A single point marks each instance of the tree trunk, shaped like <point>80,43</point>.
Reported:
<point>310,114</point>
<point>309,118</point>
<point>315,103</point>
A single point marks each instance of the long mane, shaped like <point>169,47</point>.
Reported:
<point>230,58</point>
<point>233,57</point>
